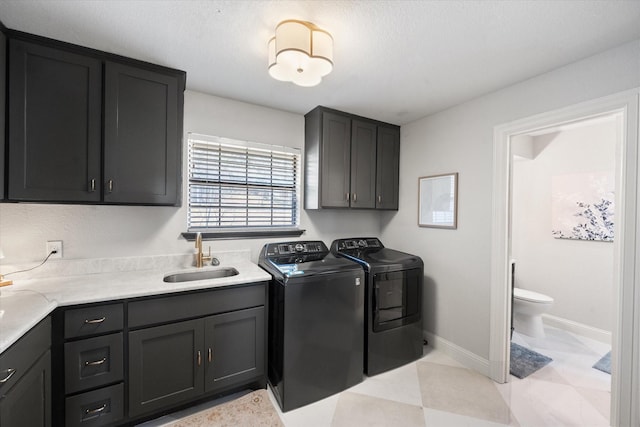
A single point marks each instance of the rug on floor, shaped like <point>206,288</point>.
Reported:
<point>525,362</point>
<point>254,409</point>
<point>604,364</point>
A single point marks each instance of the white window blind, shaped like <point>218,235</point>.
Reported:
<point>238,184</point>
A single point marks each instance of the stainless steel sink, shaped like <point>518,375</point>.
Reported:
<point>200,275</point>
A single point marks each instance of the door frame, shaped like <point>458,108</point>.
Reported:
<point>626,330</point>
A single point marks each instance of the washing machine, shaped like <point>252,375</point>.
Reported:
<point>315,322</point>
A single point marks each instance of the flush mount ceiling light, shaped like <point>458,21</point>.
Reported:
<point>300,53</point>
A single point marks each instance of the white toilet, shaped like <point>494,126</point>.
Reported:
<point>528,307</point>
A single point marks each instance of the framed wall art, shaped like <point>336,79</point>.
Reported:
<point>438,201</point>
<point>583,206</point>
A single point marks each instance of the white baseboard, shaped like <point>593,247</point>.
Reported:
<point>459,354</point>
<point>577,328</point>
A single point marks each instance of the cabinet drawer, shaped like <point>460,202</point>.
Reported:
<point>93,362</point>
<point>95,408</point>
<point>169,309</point>
<point>25,352</point>
<point>93,320</point>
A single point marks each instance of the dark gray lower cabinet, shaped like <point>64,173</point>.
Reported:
<point>173,363</point>
<point>234,347</point>
<point>25,380</point>
<point>28,402</point>
<point>165,365</point>
<point>132,360</point>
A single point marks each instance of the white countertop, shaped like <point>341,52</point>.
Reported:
<point>27,301</point>
<point>20,310</point>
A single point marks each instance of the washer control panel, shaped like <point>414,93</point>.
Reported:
<point>296,248</point>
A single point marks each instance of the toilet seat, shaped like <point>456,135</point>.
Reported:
<point>527,295</point>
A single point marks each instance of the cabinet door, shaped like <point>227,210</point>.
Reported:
<point>388,168</point>
<point>3,97</point>
<point>336,160</point>
<point>363,164</point>
<point>142,141</point>
<point>165,365</point>
<point>55,100</point>
<point>28,402</point>
<point>235,350</point>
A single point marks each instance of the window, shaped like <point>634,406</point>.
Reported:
<point>242,186</point>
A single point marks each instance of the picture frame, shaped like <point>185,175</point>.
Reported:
<point>438,201</point>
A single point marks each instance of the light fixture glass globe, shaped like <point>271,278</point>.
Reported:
<point>300,53</point>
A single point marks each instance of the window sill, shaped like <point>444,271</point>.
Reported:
<point>243,234</point>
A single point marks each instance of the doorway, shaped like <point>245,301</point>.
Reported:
<point>625,358</point>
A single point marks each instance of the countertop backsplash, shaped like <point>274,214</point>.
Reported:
<point>76,267</point>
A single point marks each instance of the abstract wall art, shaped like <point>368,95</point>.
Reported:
<point>582,206</point>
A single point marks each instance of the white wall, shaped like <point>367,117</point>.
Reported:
<point>577,274</point>
<point>116,231</point>
<point>460,139</point>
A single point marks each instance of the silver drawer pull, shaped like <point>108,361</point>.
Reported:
<point>10,372</point>
<point>96,411</point>
<point>210,356</point>
<point>95,362</point>
<point>94,321</point>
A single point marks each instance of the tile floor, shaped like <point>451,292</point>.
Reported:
<point>438,391</point>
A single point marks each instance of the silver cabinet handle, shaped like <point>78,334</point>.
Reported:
<point>210,355</point>
<point>92,186</point>
<point>355,197</point>
<point>379,199</point>
<point>10,372</point>
<point>347,196</point>
<point>199,358</point>
<point>95,362</point>
<point>110,186</point>
<point>94,321</point>
<point>96,411</point>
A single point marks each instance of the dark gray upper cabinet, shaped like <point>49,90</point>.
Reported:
<point>343,167</point>
<point>363,164</point>
<point>388,168</point>
<point>336,160</point>
<point>55,104</point>
<point>142,150</point>
<point>3,100</point>
<point>90,127</point>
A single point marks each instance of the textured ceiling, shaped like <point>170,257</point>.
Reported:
<point>395,61</point>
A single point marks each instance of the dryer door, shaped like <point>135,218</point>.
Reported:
<point>397,298</point>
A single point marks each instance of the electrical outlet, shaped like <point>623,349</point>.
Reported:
<point>54,245</point>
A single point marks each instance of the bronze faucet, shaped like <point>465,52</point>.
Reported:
<point>200,257</point>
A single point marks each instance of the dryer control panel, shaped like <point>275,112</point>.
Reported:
<point>358,243</point>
